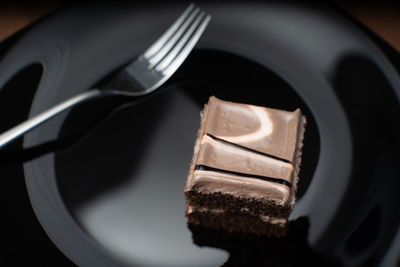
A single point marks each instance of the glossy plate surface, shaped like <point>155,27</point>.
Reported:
<point>116,197</point>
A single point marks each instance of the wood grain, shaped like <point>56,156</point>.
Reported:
<point>16,16</point>
<point>381,18</point>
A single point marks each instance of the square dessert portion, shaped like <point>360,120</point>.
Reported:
<point>244,172</point>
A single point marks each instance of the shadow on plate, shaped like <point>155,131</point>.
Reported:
<point>25,238</point>
<point>366,223</point>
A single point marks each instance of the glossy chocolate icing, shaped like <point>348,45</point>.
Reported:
<point>252,140</point>
<point>228,157</point>
<point>266,130</point>
<point>212,182</point>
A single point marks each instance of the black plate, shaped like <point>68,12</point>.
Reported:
<point>116,196</point>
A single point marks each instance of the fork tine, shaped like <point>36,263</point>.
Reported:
<point>173,52</point>
<point>156,58</point>
<point>157,45</point>
<point>171,63</point>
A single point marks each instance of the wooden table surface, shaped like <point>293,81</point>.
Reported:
<point>16,16</point>
<point>381,18</point>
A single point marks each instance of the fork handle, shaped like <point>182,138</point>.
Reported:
<point>28,125</point>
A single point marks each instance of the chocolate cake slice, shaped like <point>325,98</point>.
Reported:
<point>244,172</point>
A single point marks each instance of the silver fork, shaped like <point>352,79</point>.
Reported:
<point>141,77</point>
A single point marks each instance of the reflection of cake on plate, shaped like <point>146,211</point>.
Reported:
<point>252,250</point>
<point>243,176</point>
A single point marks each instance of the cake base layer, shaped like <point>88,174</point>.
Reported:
<point>236,222</point>
<point>235,204</point>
